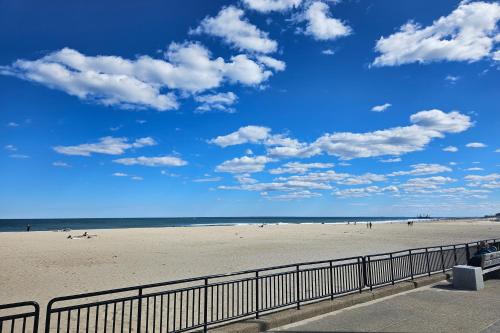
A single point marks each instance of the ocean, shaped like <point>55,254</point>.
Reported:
<point>10,225</point>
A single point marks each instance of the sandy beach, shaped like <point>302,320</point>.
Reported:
<point>42,265</point>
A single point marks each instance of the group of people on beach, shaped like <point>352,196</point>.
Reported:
<point>84,235</point>
<point>410,223</point>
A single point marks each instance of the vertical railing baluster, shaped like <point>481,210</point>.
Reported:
<point>392,269</point>
<point>370,273</point>
<point>455,254</point>
<point>411,264</point>
<point>297,286</point>
<point>331,280</point>
<point>428,263</point>
<point>360,278</point>
<point>257,303</point>
<point>442,259</point>
<point>205,307</point>
<point>139,311</point>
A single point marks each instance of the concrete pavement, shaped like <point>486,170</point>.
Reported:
<point>437,308</point>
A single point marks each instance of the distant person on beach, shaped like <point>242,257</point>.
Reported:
<point>28,227</point>
<point>370,224</point>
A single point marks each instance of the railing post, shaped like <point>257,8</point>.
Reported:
<point>331,280</point>
<point>411,264</point>
<point>467,253</point>
<point>297,287</point>
<point>370,273</point>
<point>139,311</point>
<point>442,258</point>
<point>392,269</point>
<point>205,307</point>
<point>47,317</point>
<point>428,263</point>
<point>364,272</point>
<point>36,317</point>
<point>360,272</point>
<point>257,294</point>
<point>455,254</point>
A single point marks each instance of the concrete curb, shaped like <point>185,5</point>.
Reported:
<point>290,316</point>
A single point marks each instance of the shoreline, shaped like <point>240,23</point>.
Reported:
<point>204,225</point>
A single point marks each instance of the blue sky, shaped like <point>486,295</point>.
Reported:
<point>249,108</point>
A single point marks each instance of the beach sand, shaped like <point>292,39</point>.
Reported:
<point>42,265</point>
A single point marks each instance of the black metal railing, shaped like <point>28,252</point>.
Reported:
<point>19,317</point>
<point>207,301</point>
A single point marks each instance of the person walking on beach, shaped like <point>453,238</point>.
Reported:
<point>370,225</point>
<point>28,227</point>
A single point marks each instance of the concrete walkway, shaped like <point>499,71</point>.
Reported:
<point>437,308</point>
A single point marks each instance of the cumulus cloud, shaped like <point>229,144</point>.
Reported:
<point>245,164</point>
<point>10,124</point>
<point>10,147</point>
<point>381,108</point>
<point>469,33</point>
<point>297,167</point>
<point>328,52</point>
<point>418,184</point>
<point>292,195</point>
<point>119,174</point>
<point>207,180</point>
<point>235,30</point>
<point>152,161</point>
<point>216,102</point>
<point>271,62</point>
<point>426,125</point>
<point>450,149</point>
<point>266,6</point>
<point>252,134</point>
<point>107,145</point>
<point>320,25</point>
<point>365,191</point>
<point>139,83</point>
<point>476,145</point>
<point>422,169</point>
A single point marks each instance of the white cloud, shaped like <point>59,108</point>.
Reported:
<point>365,191</point>
<point>216,102</point>
<point>451,149</point>
<point>235,30</point>
<point>271,62</point>
<point>328,52</point>
<point>207,180</point>
<point>297,195</point>
<point>452,79</point>
<point>366,178</point>
<point>321,26</point>
<point>252,134</point>
<point>11,124</point>
<point>138,83</point>
<point>418,184</point>
<point>474,169</point>
<point>106,145</point>
<point>136,178</point>
<point>381,108</point>
<point>60,164</point>
<point>245,164</point>
<point>120,174</point>
<point>394,141</point>
<point>19,156</point>
<point>427,125</point>
<point>266,6</point>
<point>152,161</point>
<point>10,147</point>
<point>468,33</point>
<point>476,145</point>
<point>497,151</point>
<point>391,160</point>
<point>296,167</point>
<point>423,169</point>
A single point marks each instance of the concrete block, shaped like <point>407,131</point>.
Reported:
<point>468,277</point>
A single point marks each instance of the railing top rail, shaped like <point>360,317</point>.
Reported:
<point>199,278</point>
<point>416,249</point>
<point>19,304</point>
